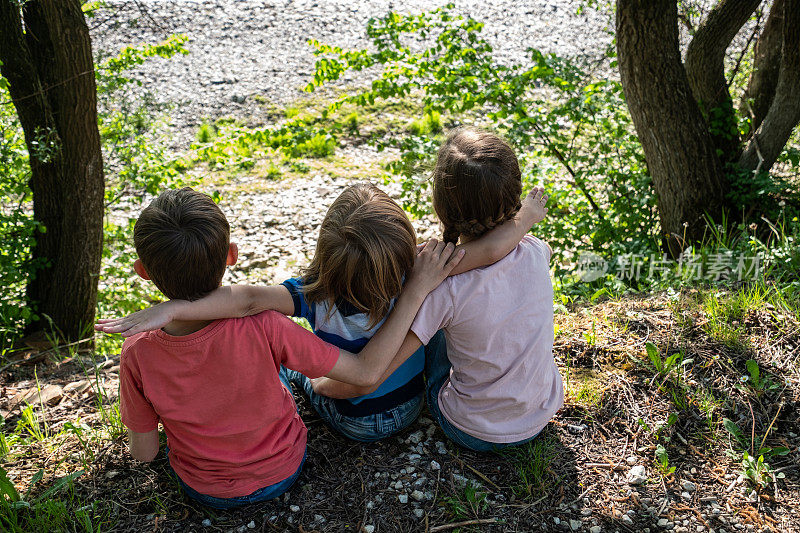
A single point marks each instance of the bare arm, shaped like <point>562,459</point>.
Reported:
<point>338,389</point>
<point>500,241</point>
<point>143,446</point>
<point>225,302</point>
<point>432,265</point>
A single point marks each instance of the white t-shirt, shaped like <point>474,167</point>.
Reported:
<point>498,321</point>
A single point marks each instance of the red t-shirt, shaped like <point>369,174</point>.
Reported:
<point>231,425</point>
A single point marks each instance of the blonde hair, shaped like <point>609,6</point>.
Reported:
<point>365,248</point>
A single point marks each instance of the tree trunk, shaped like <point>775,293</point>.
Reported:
<point>766,67</point>
<point>687,174</point>
<point>51,80</point>
<point>705,68</point>
<point>784,113</point>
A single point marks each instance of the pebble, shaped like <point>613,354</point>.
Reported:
<point>637,475</point>
<point>403,498</point>
<point>595,529</point>
<point>418,495</point>
<point>294,508</point>
<point>688,486</point>
<point>251,525</point>
<point>575,525</point>
<point>369,528</point>
<point>662,522</point>
<point>206,523</point>
<point>556,520</point>
<point>627,519</point>
<point>416,437</point>
<point>419,513</point>
<point>632,460</point>
<point>435,465</point>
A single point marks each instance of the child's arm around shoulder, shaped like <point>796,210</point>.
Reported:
<point>500,241</point>
<point>226,302</point>
<point>433,264</point>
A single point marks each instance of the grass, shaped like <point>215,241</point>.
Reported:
<point>532,464</point>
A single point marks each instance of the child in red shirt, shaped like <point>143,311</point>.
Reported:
<point>233,431</point>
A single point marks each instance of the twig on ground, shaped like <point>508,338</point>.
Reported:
<point>478,522</point>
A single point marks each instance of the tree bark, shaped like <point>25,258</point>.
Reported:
<point>705,68</point>
<point>783,116</point>
<point>687,174</point>
<point>50,72</point>
<point>766,68</point>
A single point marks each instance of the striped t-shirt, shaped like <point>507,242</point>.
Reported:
<point>346,328</point>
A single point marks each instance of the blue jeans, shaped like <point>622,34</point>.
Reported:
<point>437,370</point>
<point>368,428</point>
<point>263,494</point>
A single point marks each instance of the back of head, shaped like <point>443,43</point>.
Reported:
<point>366,246</point>
<point>182,239</point>
<point>476,183</point>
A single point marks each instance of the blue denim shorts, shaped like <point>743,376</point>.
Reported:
<point>437,370</point>
<point>367,428</point>
<point>261,495</point>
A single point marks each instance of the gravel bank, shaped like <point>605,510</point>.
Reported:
<point>239,49</point>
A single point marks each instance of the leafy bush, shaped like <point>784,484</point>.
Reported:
<point>136,163</point>
<point>571,132</point>
<point>17,227</point>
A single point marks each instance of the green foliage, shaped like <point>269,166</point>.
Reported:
<point>531,462</point>
<point>662,460</point>
<point>136,164</point>
<point>17,227</point>
<point>469,504</point>
<point>21,513</point>
<point>755,463</point>
<point>571,132</point>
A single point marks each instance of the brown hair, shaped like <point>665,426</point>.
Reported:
<point>182,239</point>
<point>476,183</point>
<point>366,245</point>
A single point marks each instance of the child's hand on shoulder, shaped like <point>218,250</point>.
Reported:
<point>533,208</point>
<point>433,264</point>
<point>149,319</point>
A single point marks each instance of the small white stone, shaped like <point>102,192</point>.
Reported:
<point>435,465</point>
<point>556,520</point>
<point>662,522</point>
<point>398,485</point>
<point>627,519</point>
<point>294,508</point>
<point>637,475</point>
<point>206,523</point>
<point>410,470</point>
<point>575,525</point>
<point>595,529</point>
<point>418,495</point>
<point>251,525</point>
<point>688,486</point>
<point>632,460</point>
<point>419,513</point>
<point>403,498</point>
<point>370,504</point>
<point>686,496</point>
<point>369,528</point>
<point>416,437</point>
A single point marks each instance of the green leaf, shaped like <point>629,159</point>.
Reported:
<point>7,488</point>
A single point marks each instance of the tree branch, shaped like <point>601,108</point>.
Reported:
<point>784,112</point>
<point>705,66</point>
<point>766,67</point>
